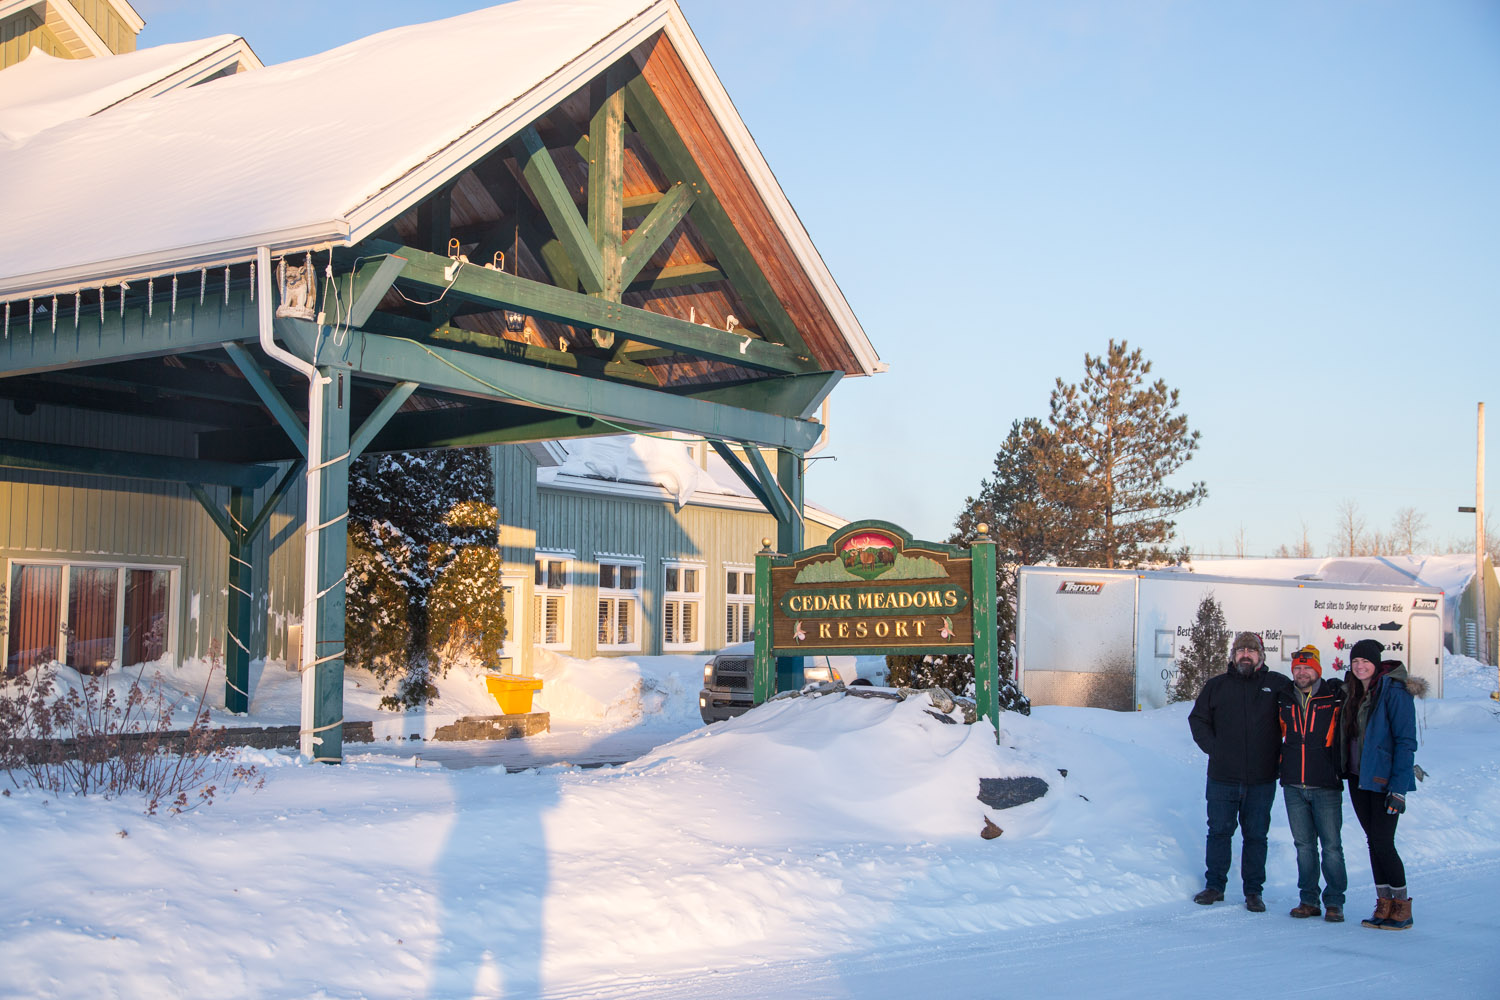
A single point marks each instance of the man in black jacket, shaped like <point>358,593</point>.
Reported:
<point>1235,722</point>
<point>1310,783</point>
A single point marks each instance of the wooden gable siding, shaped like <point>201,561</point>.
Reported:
<point>668,78</point>
<point>588,525</point>
<point>107,24</point>
<point>22,33</point>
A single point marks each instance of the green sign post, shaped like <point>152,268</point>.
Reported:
<point>875,590</point>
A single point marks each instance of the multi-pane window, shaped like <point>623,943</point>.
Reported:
<point>619,605</point>
<point>89,616</point>
<point>510,589</point>
<point>739,605</point>
<point>549,601</point>
<point>682,607</point>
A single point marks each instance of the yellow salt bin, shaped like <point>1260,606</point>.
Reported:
<point>513,691</point>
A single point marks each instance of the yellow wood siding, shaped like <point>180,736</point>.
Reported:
<point>24,32</point>
<point>107,24</point>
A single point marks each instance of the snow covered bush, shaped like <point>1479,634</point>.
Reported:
<point>61,732</point>
<point>954,674</point>
<point>1206,652</point>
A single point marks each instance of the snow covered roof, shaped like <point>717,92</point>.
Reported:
<point>1449,573</point>
<point>327,149</point>
<point>650,467</point>
<point>43,91</point>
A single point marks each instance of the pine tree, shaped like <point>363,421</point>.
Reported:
<point>1122,438</point>
<point>407,525</point>
<point>1206,652</point>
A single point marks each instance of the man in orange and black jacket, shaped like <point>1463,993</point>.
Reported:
<point>1310,785</point>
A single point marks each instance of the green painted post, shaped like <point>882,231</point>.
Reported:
<point>986,653</point>
<point>237,639</point>
<point>764,677</point>
<point>323,677</point>
<point>789,539</point>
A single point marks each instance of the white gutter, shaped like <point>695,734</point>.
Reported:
<point>313,512</point>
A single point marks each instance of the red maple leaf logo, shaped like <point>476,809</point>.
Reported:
<point>1338,643</point>
<point>1338,663</point>
<point>1327,622</point>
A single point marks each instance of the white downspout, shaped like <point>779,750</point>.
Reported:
<point>312,513</point>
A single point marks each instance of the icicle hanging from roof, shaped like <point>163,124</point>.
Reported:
<point>174,295</point>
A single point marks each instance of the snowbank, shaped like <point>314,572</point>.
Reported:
<point>831,833</point>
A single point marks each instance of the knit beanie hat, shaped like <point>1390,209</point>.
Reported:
<point>1309,656</point>
<point>1366,649</point>
<point>1248,640</point>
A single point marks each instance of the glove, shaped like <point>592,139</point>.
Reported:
<point>1395,803</point>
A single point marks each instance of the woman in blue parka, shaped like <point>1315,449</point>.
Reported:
<point>1380,735</point>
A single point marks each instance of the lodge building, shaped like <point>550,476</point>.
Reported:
<point>220,288</point>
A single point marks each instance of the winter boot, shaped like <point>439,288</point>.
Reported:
<point>1399,918</point>
<point>1255,904</point>
<point>1209,896</point>
<point>1382,913</point>
<point>1334,914</point>
<point>1304,910</point>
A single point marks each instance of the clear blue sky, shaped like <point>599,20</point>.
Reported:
<point>1292,207</point>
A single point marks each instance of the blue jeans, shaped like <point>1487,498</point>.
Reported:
<point>1231,804</point>
<point>1317,814</point>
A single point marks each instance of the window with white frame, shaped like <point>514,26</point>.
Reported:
<point>619,610</point>
<point>91,616</point>
<point>682,607</point>
<point>549,600</point>
<point>739,604</point>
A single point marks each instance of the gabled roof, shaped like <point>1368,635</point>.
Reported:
<point>329,149</point>
<point>75,31</point>
<point>44,91</point>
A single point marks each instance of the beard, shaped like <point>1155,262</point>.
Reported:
<point>1246,666</point>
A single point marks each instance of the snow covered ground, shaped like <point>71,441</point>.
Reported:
<point>821,847</point>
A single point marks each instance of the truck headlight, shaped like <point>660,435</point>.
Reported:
<point>708,673</point>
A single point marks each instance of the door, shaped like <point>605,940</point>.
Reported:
<point>1425,656</point>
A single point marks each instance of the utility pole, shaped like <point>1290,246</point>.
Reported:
<point>1481,596</point>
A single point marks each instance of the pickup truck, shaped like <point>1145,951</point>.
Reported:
<point>729,679</point>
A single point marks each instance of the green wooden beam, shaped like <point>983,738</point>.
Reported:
<point>283,487</point>
<point>637,205</point>
<point>239,604</point>
<point>770,499</point>
<point>371,281</point>
<point>280,409</point>
<point>400,393</point>
<point>552,194</point>
<point>208,503</point>
<point>675,277</point>
<point>479,426</point>
<point>651,233</point>
<point>789,396</point>
<point>778,506</point>
<point>498,290</point>
<point>583,364</point>
<point>127,465</point>
<point>661,140</point>
<point>136,334</point>
<point>73,389</point>
<point>606,201</point>
<point>396,359</point>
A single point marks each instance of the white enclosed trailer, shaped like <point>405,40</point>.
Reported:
<point>1110,638</point>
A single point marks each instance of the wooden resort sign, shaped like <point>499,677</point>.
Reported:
<point>873,589</point>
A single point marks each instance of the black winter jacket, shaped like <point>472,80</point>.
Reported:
<point>1235,722</point>
<point>1311,737</point>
